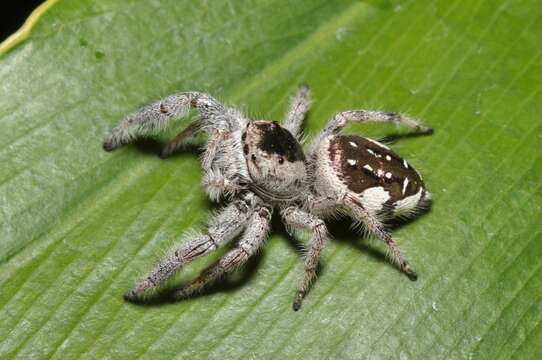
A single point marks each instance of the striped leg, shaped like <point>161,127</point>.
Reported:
<point>373,226</point>
<point>155,117</point>
<point>341,119</point>
<point>298,108</point>
<point>222,228</point>
<point>252,239</point>
<point>295,217</point>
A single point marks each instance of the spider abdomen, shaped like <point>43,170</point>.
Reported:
<point>384,182</point>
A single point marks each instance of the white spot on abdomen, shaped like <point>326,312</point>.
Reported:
<point>368,167</point>
<point>373,199</point>
<point>351,162</point>
<point>405,184</point>
<point>353,144</point>
<point>408,205</point>
<point>379,144</point>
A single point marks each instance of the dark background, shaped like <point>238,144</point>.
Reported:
<point>13,14</point>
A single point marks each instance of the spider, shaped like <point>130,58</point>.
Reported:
<point>260,166</point>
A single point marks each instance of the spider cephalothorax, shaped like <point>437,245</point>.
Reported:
<point>275,160</point>
<point>261,166</point>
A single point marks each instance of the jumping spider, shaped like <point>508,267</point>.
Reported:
<point>260,165</point>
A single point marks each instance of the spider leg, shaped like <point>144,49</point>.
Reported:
<point>212,149</point>
<point>222,166</point>
<point>340,120</point>
<point>192,130</point>
<point>299,106</point>
<point>156,116</point>
<point>298,218</point>
<point>252,239</point>
<point>225,226</point>
<point>375,227</point>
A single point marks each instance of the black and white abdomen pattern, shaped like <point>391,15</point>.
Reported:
<point>385,182</point>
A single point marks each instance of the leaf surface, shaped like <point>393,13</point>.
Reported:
<point>79,225</point>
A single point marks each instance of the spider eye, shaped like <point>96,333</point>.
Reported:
<point>281,160</point>
<point>253,157</point>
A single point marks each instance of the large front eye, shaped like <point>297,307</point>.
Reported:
<point>281,160</point>
<point>253,157</point>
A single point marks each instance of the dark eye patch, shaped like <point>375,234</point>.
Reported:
<point>274,139</point>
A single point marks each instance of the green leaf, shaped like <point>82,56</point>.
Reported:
<point>78,225</point>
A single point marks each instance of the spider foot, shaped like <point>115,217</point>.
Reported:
<point>412,275</point>
<point>137,294</point>
<point>109,145</point>
<point>298,300</point>
<point>427,131</point>
<point>132,296</point>
<point>179,295</point>
<point>168,150</point>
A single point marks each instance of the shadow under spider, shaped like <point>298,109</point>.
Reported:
<point>228,283</point>
<point>340,231</point>
<point>154,147</point>
<point>391,139</point>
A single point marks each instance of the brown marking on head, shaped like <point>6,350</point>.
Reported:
<point>275,159</point>
<point>274,139</point>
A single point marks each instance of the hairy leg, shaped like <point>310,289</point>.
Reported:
<point>298,218</point>
<point>223,166</point>
<point>298,108</point>
<point>212,148</point>
<point>252,239</point>
<point>225,226</point>
<point>155,117</point>
<point>340,120</point>
<point>374,227</point>
<point>188,133</point>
